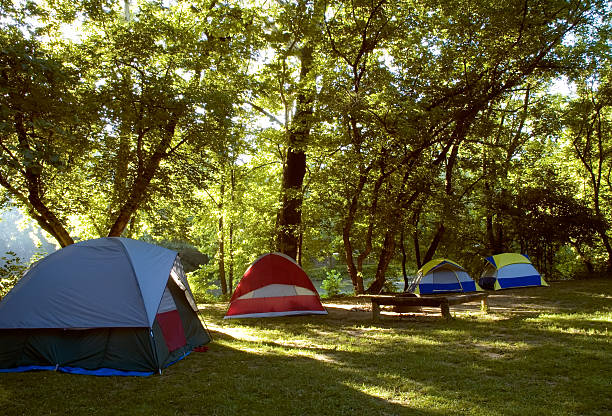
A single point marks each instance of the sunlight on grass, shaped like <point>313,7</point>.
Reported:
<point>575,323</point>
<point>241,333</point>
<point>583,317</point>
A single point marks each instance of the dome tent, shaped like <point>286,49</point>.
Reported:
<point>109,306</point>
<point>274,285</point>
<point>442,276</point>
<point>510,270</point>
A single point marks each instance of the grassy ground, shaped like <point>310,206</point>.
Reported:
<point>544,351</point>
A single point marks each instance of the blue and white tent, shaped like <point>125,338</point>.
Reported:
<point>110,306</point>
<point>442,276</point>
<point>510,270</point>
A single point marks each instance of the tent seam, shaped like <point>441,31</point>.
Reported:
<point>127,253</point>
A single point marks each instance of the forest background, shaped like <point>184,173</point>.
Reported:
<point>366,137</point>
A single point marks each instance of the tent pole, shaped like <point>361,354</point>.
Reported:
<point>458,280</point>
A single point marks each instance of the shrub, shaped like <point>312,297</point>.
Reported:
<point>203,283</point>
<point>332,283</point>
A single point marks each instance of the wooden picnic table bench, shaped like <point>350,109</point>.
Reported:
<point>442,301</point>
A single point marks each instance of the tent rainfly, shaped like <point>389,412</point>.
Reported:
<point>510,270</point>
<point>110,306</point>
<point>274,285</point>
<point>442,276</point>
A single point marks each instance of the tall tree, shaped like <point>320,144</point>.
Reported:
<point>590,133</point>
<point>45,125</point>
<point>287,84</point>
<point>155,82</point>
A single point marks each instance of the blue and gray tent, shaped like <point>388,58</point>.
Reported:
<point>110,306</point>
<point>510,270</point>
<point>442,276</point>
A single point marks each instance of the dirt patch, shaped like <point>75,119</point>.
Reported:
<point>348,311</point>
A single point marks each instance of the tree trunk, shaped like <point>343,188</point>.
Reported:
<point>490,236</point>
<point>500,246</point>
<point>356,278</point>
<point>490,232</point>
<point>299,250</point>
<point>289,219</point>
<point>221,242</point>
<point>349,220</point>
<point>132,226</point>
<point>290,215</point>
<point>415,237</point>
<point>121,169</point>
<point>606,243</point>
<point>142,181</point>
<point>417,249</point>
<point>404,258</point>
<point>230,282</point>
<point>433,246</point>
<point>587,262</point>
<point>47,220</point>
<point>230,279</point>
<point>386,254</point>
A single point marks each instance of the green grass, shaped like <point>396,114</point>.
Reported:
<point>544,351</point>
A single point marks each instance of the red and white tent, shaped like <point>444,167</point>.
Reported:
<point>274,285</point>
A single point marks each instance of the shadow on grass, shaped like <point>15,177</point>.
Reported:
<point>464,367</point>
<point>223,381</point>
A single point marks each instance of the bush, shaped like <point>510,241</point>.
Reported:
<point>332,283</point>
<point>203,283</point>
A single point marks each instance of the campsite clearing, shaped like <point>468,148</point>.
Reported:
<point>544,351</point>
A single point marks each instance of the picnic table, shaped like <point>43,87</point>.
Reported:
<point>442,301</point>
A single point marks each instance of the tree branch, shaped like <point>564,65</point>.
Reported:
<point>266,113</point>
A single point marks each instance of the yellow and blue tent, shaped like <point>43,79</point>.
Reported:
<point>442,276</point>
<point>510,270</point>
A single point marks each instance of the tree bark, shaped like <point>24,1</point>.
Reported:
<point>433,246</point>
<point>404,258</point>
<point>349,221</point>
<point>221,243</point>
<point>415,237</point>
<point>290,215</point>
<point>386,254</point>
<point>230,280</point>
<point>417,249</point>
<point>289,220</point>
